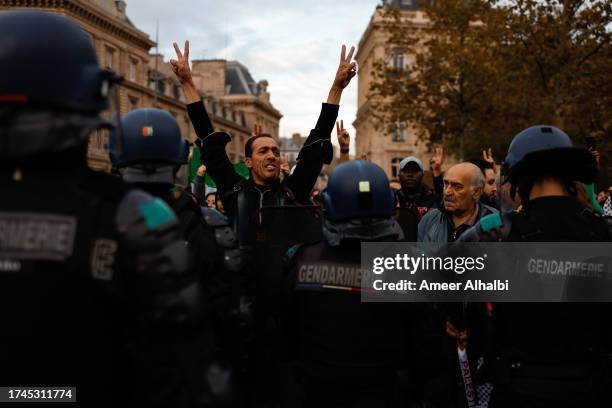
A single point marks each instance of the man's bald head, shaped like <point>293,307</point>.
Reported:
<point>463,185</point>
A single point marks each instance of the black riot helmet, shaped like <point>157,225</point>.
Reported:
<point>543,151</point>
<point>358,205</point>
<point>51,86</point>
<point>358,189</point>
<point>153,148</point>
<point>549,150</point>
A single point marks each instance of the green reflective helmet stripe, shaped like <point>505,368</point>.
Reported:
<point>292,250</point>
<point>156,213</point>
<point>491,222</point>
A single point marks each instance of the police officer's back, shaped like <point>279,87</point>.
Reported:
<point>88,266</point>
<point>345,351</point>
<point>150,157</point>
<point>547,354</point>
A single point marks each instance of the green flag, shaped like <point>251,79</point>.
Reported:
<point>196,161</point>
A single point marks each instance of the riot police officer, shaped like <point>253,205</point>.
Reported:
<point>545,355</point>
<point>96,288</point>
<point>153,151</point>
<point>345,352</point>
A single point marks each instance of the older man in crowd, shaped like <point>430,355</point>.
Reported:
<point>462,208</point>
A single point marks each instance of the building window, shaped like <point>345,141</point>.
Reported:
<point>99,140</point>
<point>133,70</point>
<point>161,87</point>
<point>398,134</point>
<point>398,61</point>
<point>134,103</point>
<point>395,167</point>
<point>176,91</point>
<point>109,57</point>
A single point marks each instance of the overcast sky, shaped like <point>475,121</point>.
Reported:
<point>294,44</point>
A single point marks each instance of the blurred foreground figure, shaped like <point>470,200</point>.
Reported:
<point>96,290</point>
<point>345,352</point>
<point>150,157</point>
<point>545,354</point>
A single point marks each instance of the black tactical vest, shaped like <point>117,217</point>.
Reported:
<point>61,291</point>
<point>335,334</point>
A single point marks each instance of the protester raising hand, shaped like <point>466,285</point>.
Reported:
<point>284,167</point>
<point>181,69</point>
<point>344,140</point>
<point>346,71</point>
<point>436,161</point>
<point>596,156</point>
<point>487,155</point>
<point>201,172</point>
<point>257,131</point>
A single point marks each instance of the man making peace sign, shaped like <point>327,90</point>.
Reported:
<point>262,152</point>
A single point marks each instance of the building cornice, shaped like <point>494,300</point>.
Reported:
<point>129,85</point>
<point>238,100</point>
<point>91,13</point>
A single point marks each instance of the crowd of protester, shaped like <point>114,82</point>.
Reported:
<point>143,294</point>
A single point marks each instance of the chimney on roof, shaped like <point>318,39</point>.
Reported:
<point>121,6</point>
<point>262,90</point>
<point>297,139</point>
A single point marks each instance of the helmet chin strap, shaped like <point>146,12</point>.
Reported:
<point>159,175</point>
<point>335,232</point>
<point>38,131</point>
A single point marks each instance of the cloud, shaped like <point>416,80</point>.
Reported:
<point>294,45</point>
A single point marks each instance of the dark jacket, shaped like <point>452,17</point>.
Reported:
<point>559,347</point>
<point>293,189</point>
<point>424,197</point>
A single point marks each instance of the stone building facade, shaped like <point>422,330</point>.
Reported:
<point>382,147</point>
<point>149,81</point>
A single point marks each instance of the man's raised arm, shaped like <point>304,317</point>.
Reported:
<point>317,149</point>
<point>197,111</point>
<point>212,145</point>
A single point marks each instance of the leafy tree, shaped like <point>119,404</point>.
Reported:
<point>485,69</point>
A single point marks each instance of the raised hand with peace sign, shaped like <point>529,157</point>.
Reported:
<point>344,140</point>
<point>256,130</point>
<point>284,166</point>
<point>347,69</point>
<point>181,66</point>
<point>487,155</point>
<point>181,69</point>
<point>436,161</point>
